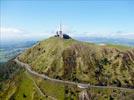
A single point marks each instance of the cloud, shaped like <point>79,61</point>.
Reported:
<point>12,34</point>
<point>10,30</point>
<point>126,35</point>
<point>38,36</point>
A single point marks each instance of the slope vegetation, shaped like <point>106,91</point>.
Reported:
<point>68,59</point>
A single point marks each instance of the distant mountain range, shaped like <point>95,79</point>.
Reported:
<point>119,41</point>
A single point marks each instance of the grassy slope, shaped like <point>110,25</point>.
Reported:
<point>50,56</point>
<point>46,53</point>
<point>21,87</point>
<point>80,61</point>
<point>23,84</point>
<point>68,92</point>
<point>110,94</point>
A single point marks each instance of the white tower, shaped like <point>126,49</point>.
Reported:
<point>60,31</point>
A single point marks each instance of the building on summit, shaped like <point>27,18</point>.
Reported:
<point>60,34</point>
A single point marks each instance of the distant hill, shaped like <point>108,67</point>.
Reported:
<point>9,50</point>
<point>82,62</point>
<point>119,41</point>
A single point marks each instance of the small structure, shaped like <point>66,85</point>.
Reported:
<point>102,44</point>
<point>61,34</point>
<point>83,86</point>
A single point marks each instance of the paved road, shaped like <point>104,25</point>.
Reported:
<point>80,85</point>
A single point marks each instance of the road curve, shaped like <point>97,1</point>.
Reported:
<point>80,85</point>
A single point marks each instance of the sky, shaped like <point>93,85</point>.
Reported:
<point>38,19</point>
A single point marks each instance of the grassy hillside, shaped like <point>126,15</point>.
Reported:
<point>23,87</point>
<point>84,62</point>
<point>69,92</point>
<point>17,84</point>
<point>20,87</point>
<point>75,63</point>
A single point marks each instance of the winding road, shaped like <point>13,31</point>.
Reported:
<point>79,85</point>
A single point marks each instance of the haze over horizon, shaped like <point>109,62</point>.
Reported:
<point>21,20</point>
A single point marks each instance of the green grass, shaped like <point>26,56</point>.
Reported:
<point>21,87</point>
<point>108,94</point>
<point>26,89</point>
<point>97,64</point>
<point>57,90</point>
<point>68,92</point>
<point>53,89</point>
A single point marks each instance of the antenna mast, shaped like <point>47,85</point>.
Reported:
<point>60,27</point>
